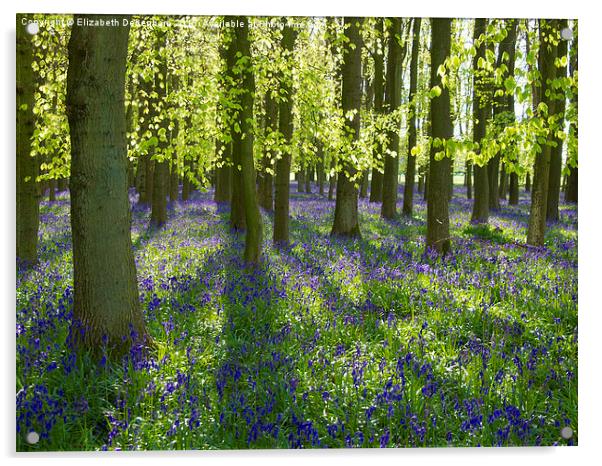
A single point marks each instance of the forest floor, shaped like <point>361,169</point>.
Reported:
<point>329,343</point>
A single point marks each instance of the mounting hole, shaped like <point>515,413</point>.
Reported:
<point>566,432</point>
<point>32,28</point>
<point>32,437</point>
<point>566,33</point>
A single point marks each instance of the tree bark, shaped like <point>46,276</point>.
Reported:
<point>392,103</point>
<point>376,183</point>
<point>345,212</point>
<point>28,198</point>
<point>285,127</point>
<point>266,193</point>
<point>541,177</point>
<point>437,230</point>
<point>223,145</point>
<point>243,146</point>
<point>481,109</point>
<point>556,152</point>
<point>106,304</point>
<point>408,189</point>
<point>161,169</point>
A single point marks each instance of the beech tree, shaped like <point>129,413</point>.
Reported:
<point>392,107</point>
<point>27,166</point>
<point>437,230</point>
<point>285,126</point>
<point>548,51</point>
<point>345,214</point>
<point>106,304</point>
<point>408,189</point>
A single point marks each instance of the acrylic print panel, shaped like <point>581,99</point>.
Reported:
<point>295,232</point>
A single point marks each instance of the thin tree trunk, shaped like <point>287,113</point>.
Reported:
<point>408,189</point>
<point>106,304</point>
<point>480,210</point>
<point>224,172</point>
<point>161,170</point>
<point>376,183</point>
<point>468,179</point>
<point>392,103</point>
<point>283,165</point>
<point>266,194</point>
<point>513,189</point>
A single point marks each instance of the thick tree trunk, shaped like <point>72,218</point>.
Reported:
<point>408,189</point>
<point>283,164</point>
<point>345,213</point>
<point>541,177</point>
<point>392,103</point>
<point>556,152</point>
<point>106,304</point>
<point>437,230</point>
<point>481,110</point>
<point>243,146</point>
<point>28,198</point>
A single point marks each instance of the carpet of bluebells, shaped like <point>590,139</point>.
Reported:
<point>329,343</point>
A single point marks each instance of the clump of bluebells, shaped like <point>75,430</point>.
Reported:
<point>329,343</point>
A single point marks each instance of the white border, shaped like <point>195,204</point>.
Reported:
<point>590,415</point>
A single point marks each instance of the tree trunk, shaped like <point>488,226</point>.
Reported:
<point>392,104</point>
<point>28,198</point>
<point>332,181</point>
<point>481,110</point>
<point>503,184</point>
<point>468,179</point>
<point>572,186</point>
<point>513,189</point>
<point>320,169</point>
<point>283,164</point>
<point>437,230</point>
<point>376,183</point>
<point>224,171</point>
<point>345,212</point>
<point>266,194</point>
<point>408,189</point>
<point>541,177</point>
<point>161,170</point>
<point>528,183</point>
<point>556,152</point>
<point>308,179</point>
<point>243,146</point>
<point>301,179</point>
<point>106,303</point>
<point>51,190</point>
